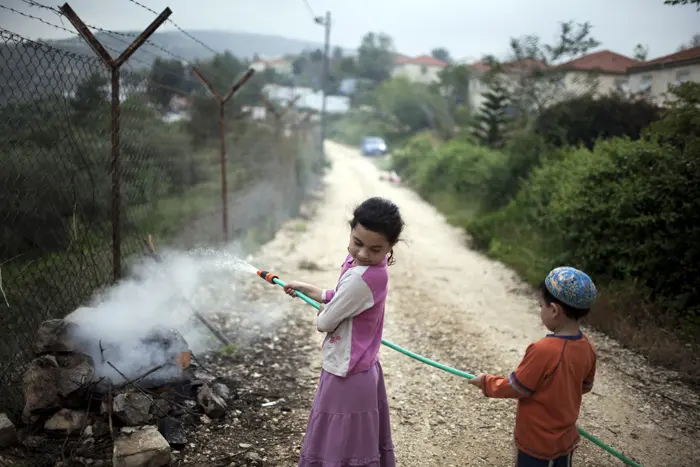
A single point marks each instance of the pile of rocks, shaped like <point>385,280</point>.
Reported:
<point>127,426</point>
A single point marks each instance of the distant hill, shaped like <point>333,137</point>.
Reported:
<point>240,44</point>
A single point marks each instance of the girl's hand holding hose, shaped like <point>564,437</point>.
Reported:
<point>309,290</point>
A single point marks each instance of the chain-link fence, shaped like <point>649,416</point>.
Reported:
<point>56,216</point>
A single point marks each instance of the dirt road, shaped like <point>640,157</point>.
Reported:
<point>452,304</point>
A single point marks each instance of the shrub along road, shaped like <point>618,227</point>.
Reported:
<point>452,304</point>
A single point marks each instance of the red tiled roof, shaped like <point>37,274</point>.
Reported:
<point>425,60</point>
<point>526,64</point>
<point>674,59</point>
<point>604,61</point>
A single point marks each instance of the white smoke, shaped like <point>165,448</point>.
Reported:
<point>158,296</point>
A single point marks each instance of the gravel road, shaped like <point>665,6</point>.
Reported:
<point>452,304</point>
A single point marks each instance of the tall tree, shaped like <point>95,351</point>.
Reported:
<point>683,2</point>
<point>641,52</point>
<point>490,125</point>
<point>692,43</point>
<point>91,95</point>
<point>299,64</point>
<point>454,86</point>
<point>534,83</point>
<point>375,58</point>
<point>441,53</point>
<point>165,79</point>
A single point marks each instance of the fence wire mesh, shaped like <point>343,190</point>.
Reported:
<point>55,185</point>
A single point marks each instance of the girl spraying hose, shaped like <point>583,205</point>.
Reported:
<point>349,420</point>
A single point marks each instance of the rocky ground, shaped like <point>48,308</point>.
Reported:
<point>446,302</point>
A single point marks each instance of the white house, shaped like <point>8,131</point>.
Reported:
<point>653,78</point>
<point>511,73</point>
<point>280,65</point>
<point>307,98</point>
<point>423,69</point>
<point>601,73</point>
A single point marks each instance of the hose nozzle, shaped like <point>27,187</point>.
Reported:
<point>268,276</point>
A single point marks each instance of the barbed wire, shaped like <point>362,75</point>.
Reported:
<point>39,43</point>
<point>119,37</point>
<point>177,27</point>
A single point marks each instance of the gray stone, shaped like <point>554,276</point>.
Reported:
<point>144,447</point>
<point>39,385</point>
<point>75,371</point>
<point>8,432</point>
<point>213,405</point>
<point>54,335</point>
<point>161,408</point>
<point>221,390</point>
<point>132,408</point>
<point>66,421</point>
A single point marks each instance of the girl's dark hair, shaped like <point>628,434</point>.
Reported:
<point>382,216</point>
<point>569,311</point>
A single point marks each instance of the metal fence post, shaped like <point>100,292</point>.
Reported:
<point>222,133</point>
<point>114,64</point>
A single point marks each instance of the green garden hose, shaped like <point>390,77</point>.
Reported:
<point>273,279</point>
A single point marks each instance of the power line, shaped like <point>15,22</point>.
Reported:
<point>311,10</point>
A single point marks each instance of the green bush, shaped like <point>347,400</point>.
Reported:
<point>630,210</point>
<point>585,119</point>
<point>627,210</point>
<point>449,174</point>
<point>524,152</point>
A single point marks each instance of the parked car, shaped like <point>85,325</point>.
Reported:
<point>371,146</point>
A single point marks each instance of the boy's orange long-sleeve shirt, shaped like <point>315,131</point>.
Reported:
<point>549,384</point>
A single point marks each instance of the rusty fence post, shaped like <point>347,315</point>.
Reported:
<point>222,134</point>
<point>114,65</point>
<point>279,115</point>
<point>288,164</point>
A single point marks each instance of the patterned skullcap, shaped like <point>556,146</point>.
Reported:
<point>572,287</point>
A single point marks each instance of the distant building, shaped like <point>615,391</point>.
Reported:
<point>308,98</point>
<point>280,65</point>
<point>422,69</point>
<point>653,78</point>
<point>601,72</point>
<point>512,72</point>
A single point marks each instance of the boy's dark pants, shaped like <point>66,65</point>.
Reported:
<point>528,461</point>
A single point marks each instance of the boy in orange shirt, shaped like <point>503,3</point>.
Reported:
<point>553,375</point>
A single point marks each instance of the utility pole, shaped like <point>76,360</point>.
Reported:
<point>324,79</point>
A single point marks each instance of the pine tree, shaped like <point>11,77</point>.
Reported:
<point>490,124</point>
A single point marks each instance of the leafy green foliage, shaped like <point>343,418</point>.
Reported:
<point>583,120</point>
<point>375,57</point>
<point>682,2</point>
<point>625,210</point>
<point>166,78</point>
<point>400,109</point>
<point>458,169</point>
<point>441,53</point>
<point>491,123</point>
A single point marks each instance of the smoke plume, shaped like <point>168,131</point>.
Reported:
<point>128,324</point>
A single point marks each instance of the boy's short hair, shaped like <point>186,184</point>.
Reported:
<point>571,289</point>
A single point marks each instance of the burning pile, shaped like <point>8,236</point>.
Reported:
<point>126,400</point>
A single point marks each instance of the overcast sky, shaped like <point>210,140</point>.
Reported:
<point>467,28</point>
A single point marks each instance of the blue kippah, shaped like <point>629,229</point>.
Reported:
<point>572,287</point>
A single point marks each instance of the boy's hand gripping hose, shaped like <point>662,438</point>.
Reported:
<point>274,279</point>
